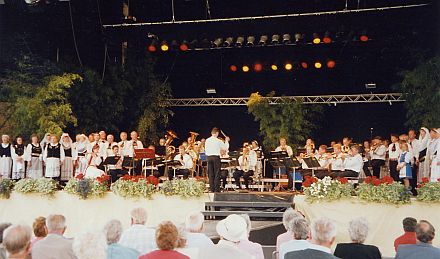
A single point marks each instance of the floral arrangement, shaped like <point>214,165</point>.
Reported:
<point>43,186</point>
<point>86,187</point>
<point>428,191</point>
<point>134,187</point>
<point>326,189</point>
<point>183,188</point>
<point>6,186</point>
<point>383,190</point>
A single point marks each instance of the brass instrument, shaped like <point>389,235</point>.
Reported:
<point>345,149</point>
<point>170,150</point>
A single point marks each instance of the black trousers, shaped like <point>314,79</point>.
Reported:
<point>115,174</point>
<point>184,172</point>
<point>393,170</point>
<point>376,164</point>
<point>223,177</point>
<point>346,173</point>
<point>247,176</point>
<point>366,169</point>
<point>214,164</point>
<point>413,181</point>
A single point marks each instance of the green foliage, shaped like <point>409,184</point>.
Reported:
<point>86,187</point>
<point>133,188</point>
<point>6,186</point>
<point>289,119</point>
<point>421,89</point>
<point>188,188</point>
<point>429,192</point>
<point>394,193</point>
<point>42,186</point>
<point>327,189</point>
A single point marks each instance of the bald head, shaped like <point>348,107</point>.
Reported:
<point>17,240</point>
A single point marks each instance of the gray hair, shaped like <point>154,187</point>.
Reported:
<point>323,230</point>
<point>90,245</point>
<point>248,222</point>
<point>17,238</point>
<point>139,216</point>
<point>3,226</point>
<point>288,216</point>
<point>358,230</point>
<point>113,231</point>
<point>55,222</point>
<point>194,222</point>
<point>300,228</point>
<point>425,231</point>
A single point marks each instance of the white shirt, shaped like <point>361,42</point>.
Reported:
<point>323,161</point>
<point>396,153</point>
<point>124,148</point>
<point>187,161</point>
<point>379,153</point>
<point>132,147</point>
<point>293,245</point>
<point>197,240</point>
<point>354,163</point>
<point>224,249</point>
<point>252,162</point>
<point>288,149</point>
<point>415,145</point>
<point>139,238</point>
<point>213,146</point>
<point>337,164</point>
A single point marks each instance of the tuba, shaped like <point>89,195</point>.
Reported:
<point>170,150</point>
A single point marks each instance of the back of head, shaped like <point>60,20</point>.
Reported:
<point>3,226</point>
<point>113,231</point>
<point>56,223</point>
<point>214,131</point>
<point>167,236</point>
<point>248,223</point>
<point>300,228</point>
<point>17,239</point>
<point>409,224</point>
<point>425,231</point>
<point>39,227</point>
<point>288,216</point>
<point>194,222</point>
<point>90,245</point>
<point>323,231</point>
<point>358,230</point>
<point>139,216</point>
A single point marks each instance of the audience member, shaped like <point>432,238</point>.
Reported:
<point>40,230</point>
<point>231,230</point>
<point>252,248</point>
<point>288,216</point>
<point>425,233</point>
<point>167,238</point>
<point>301,231</point>
<point>409,237</point>
<point>54,245</point>
<point>194,226</point>
<point>3,226</point>
<point>90,245</point>
<point>358,231</point>
<point>113,231</point>
<point>138,236</point>
<point>17,241</point>
<point>323,235</point>
<point>182,247</point>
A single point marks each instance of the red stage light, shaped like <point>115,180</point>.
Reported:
<point>258,67</point>
<point>233,68</point>
<point>363,38</point>
<point>152,48</point>
<point>331,64</point>
<point>304,65</point>
<point>327,40</point>
<point>183,47</point>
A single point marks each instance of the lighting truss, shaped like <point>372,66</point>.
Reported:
<point>314,99</point>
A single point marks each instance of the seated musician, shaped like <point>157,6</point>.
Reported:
<point>346,144</point>
<point>115,167</point>
<point>94,161</point>
<point>323,161</point>
<point>284,147</point>
<point>305,171</point>
<point>352,163</point>
<point>246,168</point>
<point>186,164</point>
<point>337,161</point>
<point>310,143</point>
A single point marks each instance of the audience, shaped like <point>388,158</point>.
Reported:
<point>194,226</point>
<point>358,231</point>
<point>17,241</point>
<point>54,245</point>
<point>167,238</point>
<point>231,230</point>
<point>40,231</point>
<point>409,237</point>
<point>113,231</point>
<point>301,231</point>
<point>323,235</point>
<point>3,226</point>
<point>138,236</point>
<point>182,247</point>
<point>425,233</point>
<point>252,248</point>
<point>90,245</point>
<point>288,216</point>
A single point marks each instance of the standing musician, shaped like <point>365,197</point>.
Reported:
<point>213,148</point>
<point>186,162</point>
<point>134,144</point>
<point>247,164</point>
<point>124,147</point>
<point>284,147</point>
<point>377,153</point>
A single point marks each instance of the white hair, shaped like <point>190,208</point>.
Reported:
<point>300,228</point>
<point>288,216</point>
<point>194,222</point>
<point>55,222</point>
<point>17,238</point>
<point>113,231</point>
<point>139,216</point>
<point>90,245</point>
<point>323,230</point>
<point>248,222</point>
<point>358,230</point>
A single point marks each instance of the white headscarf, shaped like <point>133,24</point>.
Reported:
<point>43,142</point>
<point>68,143</point>
<point>424,141</point>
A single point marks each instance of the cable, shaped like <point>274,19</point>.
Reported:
<point>105,62</point>
<point>173,19</point>
<point>208,10</point>
<point>73,34</point>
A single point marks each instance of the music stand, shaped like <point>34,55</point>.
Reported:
<point>110,160</point>
<point>312,163</point>
<point>128,163</point>
<point>142,154</point>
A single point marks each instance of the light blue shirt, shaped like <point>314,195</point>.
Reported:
<point>117,251</point>
<point>293,245</point>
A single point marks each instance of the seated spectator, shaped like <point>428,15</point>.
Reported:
<point>17,241</point>
<point>90,245</point>
<point>54,245</point>
<point>194,226</point>
<point>323,235</point>
<point>167,238</point>
<point>358,231</point>
<point>138,236</point>
<point>409,237</point>
<point>113,231</point>
<point>288,216</point>
<point>231,230</point>
<point>40,231</point>
<point>182,247</point>
<point>425,233</point>
<point>3,226</point>
<point>252,248</point>
<point>301,231</point>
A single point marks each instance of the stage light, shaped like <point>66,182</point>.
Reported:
<point>245,69</point>
<point>275,39</point>
<point>217,42</point>
<point>316,39</point>
<point>205,43</point>
<point>239,41</point>
<point>363,37</point>
<point>288,66</point>
<point>274,67</point>
<point>327,38</point>
<point>250,40</point>
<point>211,91</point>
<point>184,46</point>
<point>233,68</point>
<point>263,40</point>
<point>304,65</point>
<point>286,38</point>
<point>331,64</point>
<point>153,46</point>
<point>318,64</point>
<point>298,37</point>
<point>164,46</point>
<point>258,67</point>
<point>228,42</point>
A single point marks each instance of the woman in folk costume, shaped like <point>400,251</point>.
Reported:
<point>435,155</point>
<point>34,158</point>
<point>94,160</point>
<point>6,151</point>
<point>18,157</point>
<point>45,141</point>
<point>81,146</point>
<point>404,163</point>
<point>424,139</point>
<point>70,157</point>
<point>53,157</point>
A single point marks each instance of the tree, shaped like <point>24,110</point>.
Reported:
<point>421,89</point>
<point>289,119</point>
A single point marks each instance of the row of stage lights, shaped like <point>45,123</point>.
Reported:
<point>288,66</point>
<point>249,41</point>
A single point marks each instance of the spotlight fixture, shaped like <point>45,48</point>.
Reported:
<point>250,40</point>
<point>327,38</point>
<point>233,68</point>
<point>363,36</point>
<point>263,40</point>
<point>318,65</point>
<point>239,41</point>
<point>228,42</point>
<point>275,39</point>
<point>217,42</point>
<point>184,46</point>
<point>370,85</point>
<point>258,67</point>
<point>153,46</point>
<point>245,69</point>
<point>331,64</point>
<point>298,38</point>
<point>288,66</point>
<point>286,38</point>
<point>304,65</point>
<point>211,91</point>
<point>316,39</point>
<point>164,46</point>
<point>274,67</point>
<point>205,43</point>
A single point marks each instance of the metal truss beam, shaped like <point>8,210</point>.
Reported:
<point>316,99</point>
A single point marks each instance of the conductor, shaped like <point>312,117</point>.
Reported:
<point>214,147</point>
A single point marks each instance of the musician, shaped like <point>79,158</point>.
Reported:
<point>346,143</point>
<point>247,164</point>
<point>393,154</point>
<point>124,147</point>
<point>186,162</point>
<point>109,145</point>
<point>93,162</point>
<point>96,141</point>
<point>414,145</point>
<point>323,160</point>
<point>162,142</point>
<point>284,147</point>
<point>337,160</point>
<point>102,137</point>
<point>377,153</point>
<point>134,143</point>
<point>115,167</point>
<point>310,143</point>
<point>213,148</point>
<point>353,163</point>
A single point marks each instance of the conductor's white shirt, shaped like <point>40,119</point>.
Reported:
<point>213,146</point>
